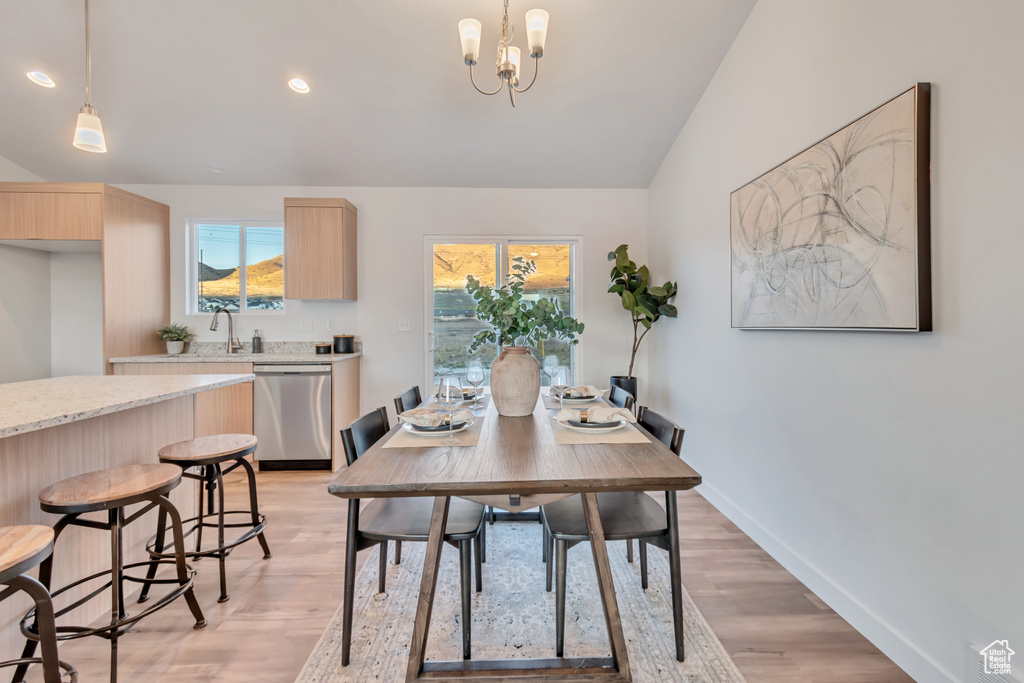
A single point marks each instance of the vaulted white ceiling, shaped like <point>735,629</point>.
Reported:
<point>185,84</point>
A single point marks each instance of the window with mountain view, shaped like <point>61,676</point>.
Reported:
<point>238,266</point>
<point>454,322</point>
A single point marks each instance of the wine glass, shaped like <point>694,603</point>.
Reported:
<point>560,384</point>
<point>449,395</point>
<point>475,376</point>
<point>550,368</point>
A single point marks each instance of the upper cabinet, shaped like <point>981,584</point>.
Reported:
<point>319,249</point>
<point>48,211</point>
<point>134,236</point>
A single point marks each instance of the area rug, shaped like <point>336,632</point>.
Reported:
<point>514,617</point>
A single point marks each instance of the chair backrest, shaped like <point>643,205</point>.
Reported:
<point>620,397</point>
<point>407,400</point>
<point>663,429</point>
<point>363,433</point>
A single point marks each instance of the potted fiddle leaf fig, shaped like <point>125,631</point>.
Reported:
<point>517,325</point>
<point>645,303</point>
<point>176,335</point>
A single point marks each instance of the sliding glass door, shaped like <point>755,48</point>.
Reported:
<point>453,322</point>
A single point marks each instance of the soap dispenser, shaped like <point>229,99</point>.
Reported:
<point>257,342</point>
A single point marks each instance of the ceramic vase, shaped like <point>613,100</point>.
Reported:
<point>515,382</point>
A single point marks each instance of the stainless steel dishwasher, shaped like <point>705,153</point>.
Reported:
<point>292,416</point>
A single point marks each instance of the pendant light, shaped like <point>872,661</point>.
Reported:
<point>89,131</point>
<point>510,58</point>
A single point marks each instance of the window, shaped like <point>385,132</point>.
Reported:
<point>237,265</point>
<point>453,322</point>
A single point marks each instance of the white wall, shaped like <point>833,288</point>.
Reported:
<point>24,314</point>
<point>884,470</point>
<point>10,172</point>
<point>391,229</point>
<point>24,301</point>
<point>76,314</point>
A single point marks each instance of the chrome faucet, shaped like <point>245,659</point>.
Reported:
<point>233,343</point>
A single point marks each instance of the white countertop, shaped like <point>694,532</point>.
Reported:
<point>42,403</point>
<point>259,358</point>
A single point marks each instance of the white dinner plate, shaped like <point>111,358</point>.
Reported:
<point>408,427</point>
<point>577,400</point>
<point>594,430</point>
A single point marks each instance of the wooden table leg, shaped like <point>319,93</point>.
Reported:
<point>672,511</point>
<point>431,563</point>
<point>604,580</point>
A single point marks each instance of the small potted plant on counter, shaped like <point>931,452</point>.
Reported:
<point>176,335</point>
<point>645,303</point>
<point>517,325</point>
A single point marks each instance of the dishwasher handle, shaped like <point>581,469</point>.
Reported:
<point>323,369</point>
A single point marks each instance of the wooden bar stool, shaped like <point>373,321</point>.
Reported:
<point>208,453</point>
<point>112,490</point>
<point>21,549</point>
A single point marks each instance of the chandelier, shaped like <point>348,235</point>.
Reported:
<point>509,57</point>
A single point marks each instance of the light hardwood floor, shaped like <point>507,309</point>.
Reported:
<point>774,627</point>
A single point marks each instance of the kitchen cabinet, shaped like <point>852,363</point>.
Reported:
<point>133,233</point>
<point>319,249</point>
<point>227,410</point>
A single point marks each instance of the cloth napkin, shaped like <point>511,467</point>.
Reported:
<point>585,391</point>
<point>421,417</point>
<point>600,414</point>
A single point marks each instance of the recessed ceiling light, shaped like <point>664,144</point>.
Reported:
<point>216,168</point>
<point>39,78</point>
<point>299,85</point>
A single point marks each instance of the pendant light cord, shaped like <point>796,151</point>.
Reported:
<point>88,60</point>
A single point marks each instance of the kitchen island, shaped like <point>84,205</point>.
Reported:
<point>52,429</point>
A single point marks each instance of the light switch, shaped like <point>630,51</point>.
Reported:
<point>329,325</point>
<point>404,325</point>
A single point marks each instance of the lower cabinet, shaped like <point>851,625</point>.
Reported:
<point>227,410</point>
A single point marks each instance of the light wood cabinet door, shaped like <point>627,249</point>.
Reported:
<point>320,249</point>
<point>51,216</point>
<point>227,410</point>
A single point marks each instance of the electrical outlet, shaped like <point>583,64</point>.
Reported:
<point>306,325</point>
<point>404,325</point>
<point>329,325</point>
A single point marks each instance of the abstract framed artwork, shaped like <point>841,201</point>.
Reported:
<point>837,237</point>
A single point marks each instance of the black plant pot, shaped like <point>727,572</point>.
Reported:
<point>627,383</point>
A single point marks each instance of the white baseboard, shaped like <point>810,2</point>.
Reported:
<point>892,643</point>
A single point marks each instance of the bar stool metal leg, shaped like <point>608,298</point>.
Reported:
<point>45,626</point>
<point>254,508</point>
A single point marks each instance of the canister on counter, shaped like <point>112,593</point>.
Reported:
<point>344,343</point>
<point>322,349</point>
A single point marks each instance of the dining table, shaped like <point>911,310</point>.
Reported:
<point>515,464</point>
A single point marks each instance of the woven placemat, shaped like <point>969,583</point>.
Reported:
<point>570,437</point>
<point>405,438</point>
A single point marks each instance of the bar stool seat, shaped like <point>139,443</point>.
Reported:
<point>208,453</point>
<point>100,490</point>
<point>112,490</point>
<point>21,549</point>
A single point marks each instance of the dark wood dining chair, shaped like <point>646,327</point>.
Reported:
<point>403,519</point>
<point>407,400</point>
<point>625,515</point>
<point>621,398</point>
